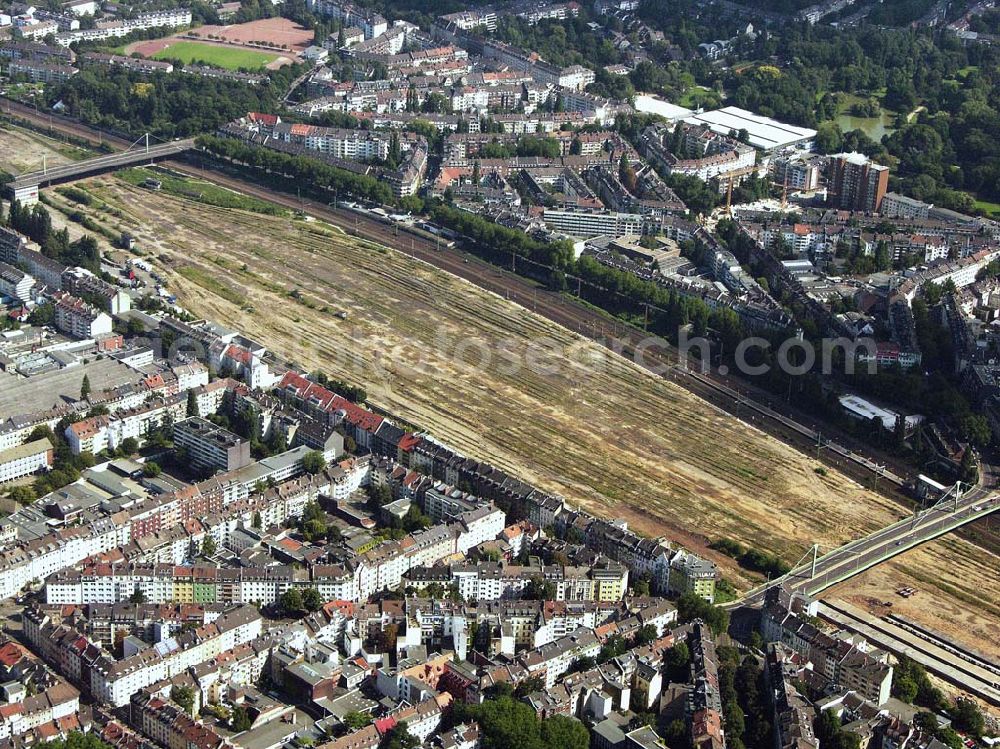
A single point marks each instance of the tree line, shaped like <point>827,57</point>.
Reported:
<point>300,170</point>
<point>36,224</point>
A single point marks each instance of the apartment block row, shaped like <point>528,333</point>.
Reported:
<point>846,660</point>
<point>170,18</point>
<point>114,681</point>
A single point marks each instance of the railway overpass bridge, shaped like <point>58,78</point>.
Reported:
<point>811,576</point>
<point>25,188</point>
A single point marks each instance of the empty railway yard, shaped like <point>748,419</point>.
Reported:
<point>661,473</point>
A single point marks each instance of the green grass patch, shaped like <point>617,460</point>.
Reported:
<point>230,58</point>
<point>211,284</point>
<point>989,208</point>
<point>696,97</point>
<point>203,192</point>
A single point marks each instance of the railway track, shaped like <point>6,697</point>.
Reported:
<point>597,326</point>
<point>934,656</point>
<point>935,639</point>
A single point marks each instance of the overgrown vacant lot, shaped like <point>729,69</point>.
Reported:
<point>23,151</point>
<point>598,430</point>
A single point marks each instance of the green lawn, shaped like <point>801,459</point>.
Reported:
<point>230,58</point>
<point>697,96</point>
<point>991,209</point>
<point>204,192</point>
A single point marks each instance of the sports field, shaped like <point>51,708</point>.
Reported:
<point>230,58</point>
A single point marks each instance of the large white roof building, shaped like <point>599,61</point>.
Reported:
<point>764,133</point>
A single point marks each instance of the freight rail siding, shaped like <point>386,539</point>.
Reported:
<point>934,638</point>
<point>967,676</point>
<point>600,327</point>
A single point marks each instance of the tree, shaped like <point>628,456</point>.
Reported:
<point>85,388</point>
<point>24,495</point>
<point>561,732</point>
<point>137,596</point>
<point>626,173</point>
<point>677,660</point>
<point>691,606</point>
<point>257,521</point>
<point>240,720</point>
<point>192,404</point>
<point>641,586</point>
<point>43,314</point>
<point>313,462</point>
<point>208,546</point>
<point>356,719</point>
<point>379,495</point>
<point>538,589</point>
<point>151,469</point>
<point>130,446</point>
<point>905,689</point>
<point>311,599</point>
<point>529,686</point>
<point>831,733</point>
<point>967,717</point>
<point>184,697</point>
<point>314,530</point>
<point>647,633</point>
<point>399,738</point>
<point>291,601</point>
<point>387,637</point>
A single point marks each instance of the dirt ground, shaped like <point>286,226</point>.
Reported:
<point>149,47</point>
<point>276,31</point>
<point>549,405</point>
<point>22,151</point>
<point>957,591</point>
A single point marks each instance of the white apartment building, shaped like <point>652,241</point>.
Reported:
<point>116,681</point>
<point>171,18</point>
<point>24,460</point>
<point>15,283</point>
<point>75,317</point>
<point>585,224</point>
<point>352,145</point>
<point>576,77</point>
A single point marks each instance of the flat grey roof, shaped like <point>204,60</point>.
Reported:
<point>42,392</point>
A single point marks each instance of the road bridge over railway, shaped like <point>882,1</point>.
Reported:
<point>25,187</point>
<point>814,573</point>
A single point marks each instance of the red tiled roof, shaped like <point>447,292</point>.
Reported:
<point>10,654</point>
<point>408,442</point>
<point>238,353</point>
<point>327,400</point>
<point>267,119</point>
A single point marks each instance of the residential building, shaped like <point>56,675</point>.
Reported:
<point>856,183</point>
<point>693,574</point>
<point>75,317</point>
<point>15,283</point>
<point>26,459</point>
<point>210,447</point>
